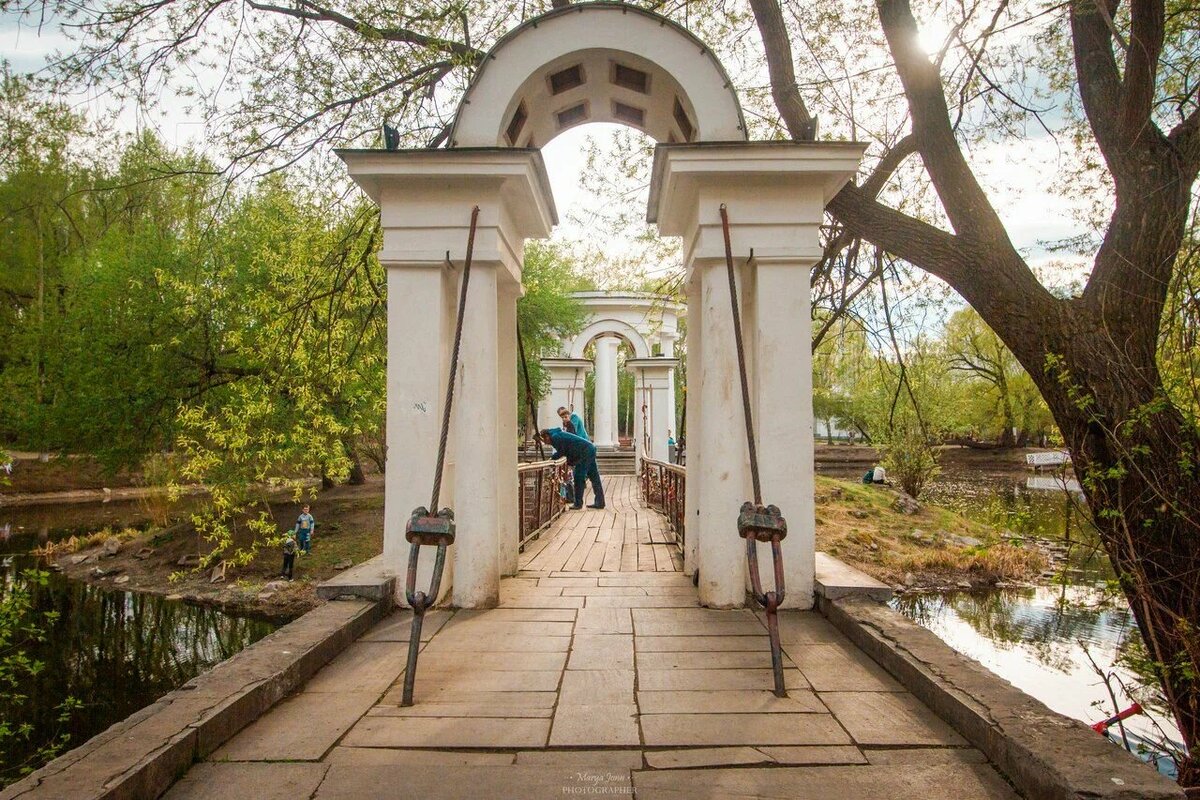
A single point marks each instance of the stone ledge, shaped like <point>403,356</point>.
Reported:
<point>1043,753</point>
<point>370,580</point>
<point>141,756</point>
<point>837,580</point>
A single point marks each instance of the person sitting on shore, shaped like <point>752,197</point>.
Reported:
<point>581,455</point>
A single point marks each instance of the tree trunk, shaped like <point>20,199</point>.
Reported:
<point>1139,463</point>
<point>357,477</point>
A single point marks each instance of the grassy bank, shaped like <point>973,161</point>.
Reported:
<point>935,547</point>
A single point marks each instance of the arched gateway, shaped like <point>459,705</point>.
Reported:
<point>649,323</point>
<point>600,62</point>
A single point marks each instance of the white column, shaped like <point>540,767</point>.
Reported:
<point>426,199</point>
<point>694,456</point>
<point>775,193</point>
<point>606,391</point>
<point>476,484</point>
<point>653,387</point>
<point>416,379</point>
<point>783,416</point>
<point>640,398</point>
<point>566,381</point>
<point>722,483</point>
<point>507,527</point>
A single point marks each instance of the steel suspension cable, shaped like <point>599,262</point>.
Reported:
<point>741,354</point>
<point>458,329</point>
<point>529,397</point>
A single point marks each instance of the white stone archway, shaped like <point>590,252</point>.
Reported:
<point>650,324</point>
<point>627,61</point>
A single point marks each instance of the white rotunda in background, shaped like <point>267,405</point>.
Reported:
<point>649,324</point>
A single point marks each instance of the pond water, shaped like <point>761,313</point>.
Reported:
<point>114,652</point>
<point>1038,638</point>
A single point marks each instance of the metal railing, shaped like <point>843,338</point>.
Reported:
<point>538,500</point>
<point>663,489</point>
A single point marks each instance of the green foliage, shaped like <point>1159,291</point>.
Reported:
<point>545,314</point>
<point>908,455</point>
<point>21,625</point>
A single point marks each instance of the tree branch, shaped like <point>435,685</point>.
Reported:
<point>801,125</point>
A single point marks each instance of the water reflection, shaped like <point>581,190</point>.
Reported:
<point>116,652</point>
<point>1039,640</point>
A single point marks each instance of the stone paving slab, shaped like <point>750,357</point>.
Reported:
<point>301,728</point>
<point>601,651</point>
<point>525,614</point>
<point>760,659</point>
<point>423,695</point>
<point>362,667</point>
<point>466,679</point>
<point>607,759</point>
<point>740,701</point>
<point>733,756</point>
<point>962,782</point>
<point>665,730</point>
<point>706,644</point>
<point>589,687</point>
<point>383,756</point>
<point>889,718</point>
<point>704,679</point>
<point>398,627</point>
<point>499,644</point>
<point>926,755</point>
<point>239,781</point>
<point>425,708</point>
<point>603,621</point>
<point>472,783</point>
<point>839,668</point>
<point>653,601</point>
<point>445,661</point>
<point>607,725</point>
<point>448,732</point>
<point>533,601</point>
<point>471,625</point>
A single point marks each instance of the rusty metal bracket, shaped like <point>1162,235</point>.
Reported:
<point>766,524</point>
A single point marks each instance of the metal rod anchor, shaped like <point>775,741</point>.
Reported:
<point>420,602</point>
<point>770,601</point>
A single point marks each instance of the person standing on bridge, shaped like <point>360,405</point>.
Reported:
<point>573,423</point>
<point>581,455</point>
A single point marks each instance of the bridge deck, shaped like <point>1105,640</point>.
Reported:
<point>597,682</point>
<point>627,536</point>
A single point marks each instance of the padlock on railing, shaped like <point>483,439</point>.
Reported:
<point>762,523</point>
<point>424,528</point>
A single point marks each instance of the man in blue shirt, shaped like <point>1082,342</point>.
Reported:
<point>580,454</point>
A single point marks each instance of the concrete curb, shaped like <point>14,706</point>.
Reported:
<point>141,756</point>
<point>370,580</point>
<point>1044,754</point>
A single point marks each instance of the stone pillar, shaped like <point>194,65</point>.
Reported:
<point>654,381</point>
<point>694,456</point>
<point>507,527</point>
<point>776,194</point>
<point>566,389</point>
<point>416,378</point>
<point>426,199</point>
<point>605,434</point>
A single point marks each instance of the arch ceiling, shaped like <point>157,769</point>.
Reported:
<point>602,327</point>
<point>598,62</point>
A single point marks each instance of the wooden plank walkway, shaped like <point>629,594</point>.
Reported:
<point>626,536</point>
